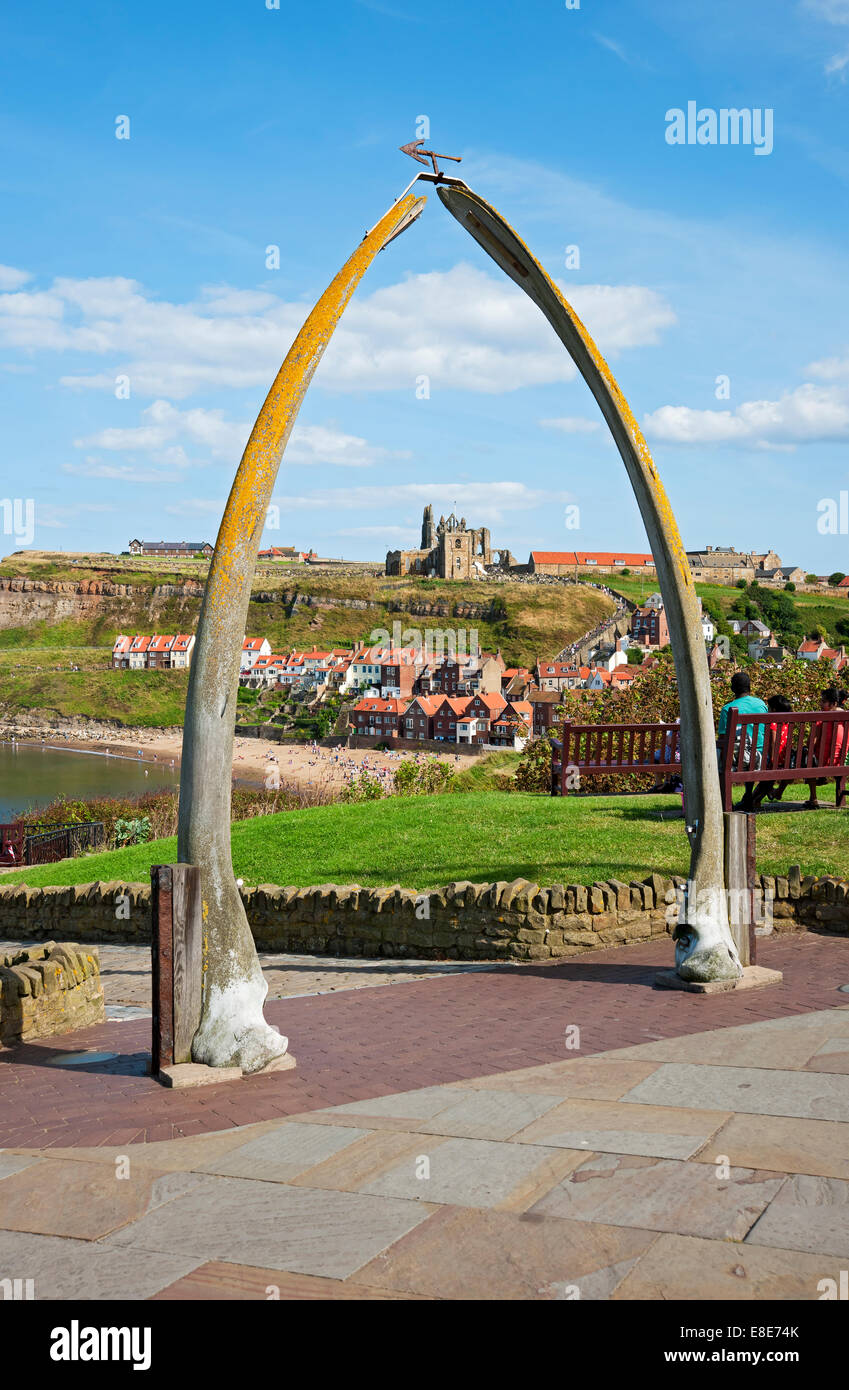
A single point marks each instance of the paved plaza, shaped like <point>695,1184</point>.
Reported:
<point>440,1139</point>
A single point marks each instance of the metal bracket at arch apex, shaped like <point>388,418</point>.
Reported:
<point>436,177</point>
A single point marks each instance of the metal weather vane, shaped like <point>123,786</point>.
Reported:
<point>422,156</point>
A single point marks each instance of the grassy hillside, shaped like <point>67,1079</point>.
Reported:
<point>425,842</point>
<point>145,699</point>
<point>812,610</point>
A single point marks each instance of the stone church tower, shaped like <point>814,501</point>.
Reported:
<point>428,531</point>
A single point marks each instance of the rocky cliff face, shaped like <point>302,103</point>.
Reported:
<point>24,602</point>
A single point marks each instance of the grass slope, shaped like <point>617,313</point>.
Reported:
<point>142,699</point>
<point>425,842</point>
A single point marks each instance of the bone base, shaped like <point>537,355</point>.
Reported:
<point>198,1074</point>
<point>753,977</point>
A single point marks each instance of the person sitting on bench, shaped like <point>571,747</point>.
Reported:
<point>745,703</point>
<point>778,734</point>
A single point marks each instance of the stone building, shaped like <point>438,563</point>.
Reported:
<point>722,564</point>
<point>448,550</point>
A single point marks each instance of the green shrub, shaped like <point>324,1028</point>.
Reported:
<point>132,832</point>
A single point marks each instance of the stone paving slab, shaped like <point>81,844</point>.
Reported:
<point>751,1090</point>
<point>59,1197</point>
<point>662,1195</point>
<point>613,1127</point>
<point>773,1044</point>
<point>284,1153</point>
<point>809,1213</point>
<point>688,1268</point>
<point>15,1163</point>
<point>229,1282</point>
<point>358,1163</point>
<point>463,1254</point>
<point>782,1143</point>
<point>84,1269</point>
<point>593,1078</point>
<point>302,1230</point>
<point>474,1173</point>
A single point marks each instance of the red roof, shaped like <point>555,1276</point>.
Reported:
<point>492,702</point>
<point>590,557</point>
<point>376,706</point>
<point>428,704</point>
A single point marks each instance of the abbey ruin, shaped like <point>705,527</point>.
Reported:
<point>448,551</point>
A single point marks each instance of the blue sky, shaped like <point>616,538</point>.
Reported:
<point>250,127</point>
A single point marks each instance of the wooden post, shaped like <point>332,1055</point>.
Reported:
<point>176,945</point>
<point>740,881</point>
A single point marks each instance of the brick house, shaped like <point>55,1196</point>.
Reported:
<point>419,715</point>
<point>557,675</point>
<point>377,717</point>
<point>649,627</point>
<point>399,671</point>
<point>543,705</point>
<point>449,711</point>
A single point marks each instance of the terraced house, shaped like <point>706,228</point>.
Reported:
<point>156,653</point>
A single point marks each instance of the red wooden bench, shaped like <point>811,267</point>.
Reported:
<point>614,748</point>
<point>816,746</point>
<point>814,749</point>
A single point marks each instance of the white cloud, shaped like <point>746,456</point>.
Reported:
<point>572,424</point>
<point>461,327</point>
<point>829,369</point>
<point>808,414</point>
<point>167,430</point>
<point>838,63</point>
<point>57,518</point>
<point>11,278</point>
<point>490,503</point>
<point>832,11</point>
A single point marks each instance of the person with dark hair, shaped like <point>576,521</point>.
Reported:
<point>777,746</point>
<point>831,747</point>
<point>745,703</point>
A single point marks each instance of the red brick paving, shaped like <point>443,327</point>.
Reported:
<point>358,1044</point>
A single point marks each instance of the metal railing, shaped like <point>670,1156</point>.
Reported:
<point>62,842</point>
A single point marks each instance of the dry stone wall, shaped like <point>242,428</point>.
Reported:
<point>463,921</point>
<point>49,989</point>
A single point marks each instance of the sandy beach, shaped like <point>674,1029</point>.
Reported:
<point>256,762</point>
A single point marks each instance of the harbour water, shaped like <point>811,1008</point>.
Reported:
<point>33,775</point>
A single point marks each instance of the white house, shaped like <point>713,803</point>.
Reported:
<point>253,647</point>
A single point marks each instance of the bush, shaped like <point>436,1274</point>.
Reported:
<point>424,779</point>
<point>132,832</point>
<point>534,771</point>
<point>790,587</point>
<point>364,787</point>
<point>836,578</point>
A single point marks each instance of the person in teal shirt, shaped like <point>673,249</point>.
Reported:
<point>745,703</point>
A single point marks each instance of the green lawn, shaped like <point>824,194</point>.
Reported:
<point>425,842</point>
